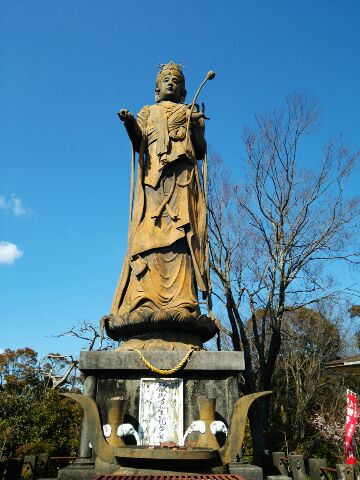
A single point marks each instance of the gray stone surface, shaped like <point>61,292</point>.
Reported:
<point>89,389</point>
<point>279,464</point>
<point>278,477</point>
<point>249,472</point>
<point>91,362</point>
<point>224,389</point>
<point>297,467</point>
<point>211,374</point>
<point>314,467</point>
<point>77,471</point>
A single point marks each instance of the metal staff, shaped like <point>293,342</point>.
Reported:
<point>210,75</point>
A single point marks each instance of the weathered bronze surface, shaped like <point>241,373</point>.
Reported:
<point>207,415</point>
<point>115,418</point>
<point>236,432</point>
<point>165,264</point>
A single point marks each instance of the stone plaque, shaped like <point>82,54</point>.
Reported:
<point>161,410</point>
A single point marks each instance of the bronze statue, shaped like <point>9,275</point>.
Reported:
<point>156,299</point>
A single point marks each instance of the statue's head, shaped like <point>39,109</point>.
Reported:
<point>170,84</point>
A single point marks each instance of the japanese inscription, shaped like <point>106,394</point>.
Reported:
<point>161,410</point>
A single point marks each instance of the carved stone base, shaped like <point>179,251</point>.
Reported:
<point>180,321</point>
<point>165,341</point>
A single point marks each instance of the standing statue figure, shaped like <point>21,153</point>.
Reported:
<point>156,300</point>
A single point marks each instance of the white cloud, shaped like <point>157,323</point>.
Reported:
<point>17,206</point>
<point>1,351</point>
<point>13,205</point>
<point>9,252</point>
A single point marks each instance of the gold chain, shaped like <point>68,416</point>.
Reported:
<point>159,370</point>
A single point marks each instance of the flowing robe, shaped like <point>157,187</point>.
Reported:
<point>164,264</point>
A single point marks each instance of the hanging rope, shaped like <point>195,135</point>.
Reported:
<point>207,245</point>
<point>159,370</point>
<point>132,181</point>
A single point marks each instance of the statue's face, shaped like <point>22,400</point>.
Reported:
<point>171,88</point>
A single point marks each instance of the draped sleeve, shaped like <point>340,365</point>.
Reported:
<point>142,117</point>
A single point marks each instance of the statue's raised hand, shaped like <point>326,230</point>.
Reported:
<point>125,115</point>
<point>198,117</point>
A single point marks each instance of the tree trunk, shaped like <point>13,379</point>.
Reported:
<point>259,426</point>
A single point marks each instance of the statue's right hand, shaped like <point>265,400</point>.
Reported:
<point>125,115</point>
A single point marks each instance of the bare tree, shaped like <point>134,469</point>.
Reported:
<point>58,369</point>
<point>88,335</point>
<point>354,311</point>
<point>274,237</point>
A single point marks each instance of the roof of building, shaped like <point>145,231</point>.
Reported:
<point>347,364</point>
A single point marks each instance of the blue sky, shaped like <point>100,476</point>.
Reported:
<point>68,67</point>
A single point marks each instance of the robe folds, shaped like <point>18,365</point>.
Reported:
<point>165,261</point>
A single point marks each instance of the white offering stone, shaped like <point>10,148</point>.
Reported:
<point>161,410</point>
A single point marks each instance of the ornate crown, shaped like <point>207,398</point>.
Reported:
<point>171,67</point>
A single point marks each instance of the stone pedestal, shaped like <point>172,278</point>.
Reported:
<point>210,374</point>
<point>119,374</point>
<point>79,470</point>
<point>248,472</point>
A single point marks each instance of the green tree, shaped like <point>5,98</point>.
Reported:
<point>34,417</point>
<point>18,369</point>
<point>303,388</point>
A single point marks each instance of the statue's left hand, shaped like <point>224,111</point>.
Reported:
<point>198,119</point>
<point>197,116</point>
